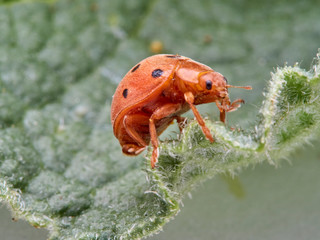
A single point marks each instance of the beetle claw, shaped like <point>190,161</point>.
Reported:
<point>130,150</point>
<point>139,151</point>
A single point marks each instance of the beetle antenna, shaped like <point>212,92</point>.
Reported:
<point>244,87</point>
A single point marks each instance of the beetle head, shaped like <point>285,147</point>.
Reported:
<point>212,82</point>
<point>213,86</point>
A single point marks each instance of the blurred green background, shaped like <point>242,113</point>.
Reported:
<point>245,40</point>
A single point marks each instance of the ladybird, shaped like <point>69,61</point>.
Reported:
<point>157,91</point>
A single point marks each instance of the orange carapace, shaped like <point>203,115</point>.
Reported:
<point>157,91</point>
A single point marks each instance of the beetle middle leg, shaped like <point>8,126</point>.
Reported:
<point>222,109</point>
<point>130,123</point>
<point>180,121</point>
<point>161,112</point>
<point>188,96</point>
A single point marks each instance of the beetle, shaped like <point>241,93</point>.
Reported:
<point>157,91</point>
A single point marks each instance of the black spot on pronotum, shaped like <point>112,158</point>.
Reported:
<point>173,56</point>
<point>157,73</point>
<point>135,68</point>
<point>225,79</point>
<point>125,93</point>
<point>208,85</point>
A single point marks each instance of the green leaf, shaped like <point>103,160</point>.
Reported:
<point>60,62</point>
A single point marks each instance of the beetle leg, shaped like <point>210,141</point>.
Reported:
<point>159,113</point>
<point>222,110</point>
<point>235,104</point>
<point>188,96</point>
<point>227,107</point>
<point>180,121</point>
<point>219,106</point>
<point>154,142</point>
<point>223,116</point>
<point>128,122</point>
<point>132,149</point>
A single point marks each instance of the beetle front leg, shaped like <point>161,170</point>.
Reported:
<point>223,116</point>
<point>235,105</point>
<point>159,113</point>
<point>222,110</point>
<point>188,96</point>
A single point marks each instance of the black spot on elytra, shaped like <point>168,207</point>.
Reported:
<point>135,68</point>
<point>125,93</point>
<point>157,73</point>
<point>173,56</point>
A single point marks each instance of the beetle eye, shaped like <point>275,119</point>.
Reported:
<point>208,85</point>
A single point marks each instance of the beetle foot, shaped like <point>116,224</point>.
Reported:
<point>235,105</point>
<point>154,157</point>
<point>132,149</point>
<point>208,134</point>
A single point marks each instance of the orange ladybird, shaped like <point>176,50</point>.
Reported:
<point>158,90</point>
